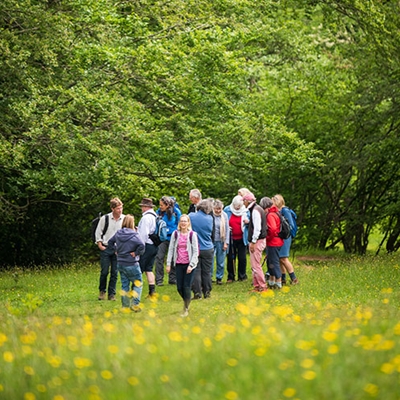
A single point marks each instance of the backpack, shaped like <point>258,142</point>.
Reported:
<point>161,232</point>
<point>294,228</point>
<point>94,224</point>
<point>284,231</point>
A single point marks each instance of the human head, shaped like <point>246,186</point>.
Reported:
<point>184,221</point>
<point>146,204</point>
<point>129,221</point>
<point>166,202</point>
<point>195,196</point>
<point>116,207</point>
<point>243,191</point>
<point>237,202</point>
<point>265,203</point>
<point>205,205</point>
<point>248,198</point>
<point>278,200</point>
<point>218,206</point>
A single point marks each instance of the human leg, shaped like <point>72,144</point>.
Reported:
<point>146,265</point>
<point>230,262</point>
<point>125,298</point>
<point>112,284</point>
<point>160,256</point>
<point>180,271</point>
<point>256,269</point>
<point>273,257</point>
<point>220,260</point>
<point>105,262</point>
<point>187,284</point>
<point>196,285</point>
<point>287,265</point>
<point>134,274</point>
<point>206,284</point>
<point>241,250</point>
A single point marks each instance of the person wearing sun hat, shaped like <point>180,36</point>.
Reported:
<point>147,225</point>
<point>257,234</point>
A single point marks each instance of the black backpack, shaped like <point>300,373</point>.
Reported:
<point>94,224</point>
<point>284,232</point>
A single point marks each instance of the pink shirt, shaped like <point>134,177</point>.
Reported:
<point>183,256</point>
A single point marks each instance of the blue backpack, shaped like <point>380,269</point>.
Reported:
<point>161,232</point>
<point>293,228</point>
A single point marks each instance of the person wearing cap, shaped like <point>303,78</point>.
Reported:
<point>108,259</point>
<point>147,225</point>
<point>257,234</point>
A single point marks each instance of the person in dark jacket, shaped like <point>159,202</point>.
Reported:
<point>195,198</point>
<point>128,247</point>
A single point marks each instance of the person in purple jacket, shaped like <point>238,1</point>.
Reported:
<point>128,247</point>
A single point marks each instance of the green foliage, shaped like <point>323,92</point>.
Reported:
<point>150,98</point>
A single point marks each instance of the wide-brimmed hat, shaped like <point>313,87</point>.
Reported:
<point>146,202</point>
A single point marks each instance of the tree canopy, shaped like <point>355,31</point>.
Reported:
<point>150,98</point>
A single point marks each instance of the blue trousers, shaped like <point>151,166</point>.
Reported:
<point>273,264</point>
<point>219,257</point>
<point>131,274</point>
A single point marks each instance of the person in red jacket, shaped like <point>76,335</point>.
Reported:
<point>274,242</point>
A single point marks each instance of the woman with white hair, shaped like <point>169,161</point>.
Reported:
<point>238,218</point>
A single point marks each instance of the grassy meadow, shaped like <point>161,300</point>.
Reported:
<point>336,335</point>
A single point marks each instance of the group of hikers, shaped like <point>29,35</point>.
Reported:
<point>194,242</point>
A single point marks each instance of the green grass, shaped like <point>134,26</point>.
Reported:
<point>334,336</point>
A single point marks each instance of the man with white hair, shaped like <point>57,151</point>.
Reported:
<point>195,198</point>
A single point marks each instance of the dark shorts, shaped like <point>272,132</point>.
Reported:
<point>147,259</point>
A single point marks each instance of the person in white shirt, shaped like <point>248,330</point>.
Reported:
<point>147,225</point>
<point>108,258</point>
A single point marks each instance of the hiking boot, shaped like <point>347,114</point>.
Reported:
<point>207,295</point>
<point>112,297</point>
<point>102,296</point>
<point>136,309</point>
<point>196,296</point>
<point>295,281</point>
<point>219,282</point>
<point>185,313</point>
<point>283,282</point>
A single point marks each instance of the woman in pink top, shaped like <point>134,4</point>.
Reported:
<point>183,251</point>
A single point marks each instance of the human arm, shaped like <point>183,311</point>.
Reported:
<point>194,243</point>
<point>171,250</point>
